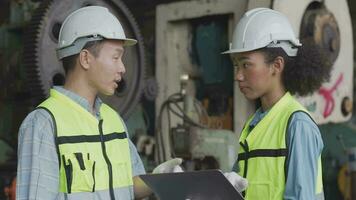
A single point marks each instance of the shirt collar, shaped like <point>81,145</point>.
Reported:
<point>259,115</point>
<point>81,100</point>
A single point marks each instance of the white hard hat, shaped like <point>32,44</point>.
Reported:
<point>263,27</point>
<point>89,24</point>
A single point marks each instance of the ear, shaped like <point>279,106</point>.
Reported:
<point>85,59</point>
<point>278,65</point>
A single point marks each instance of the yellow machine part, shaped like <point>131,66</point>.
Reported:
<point>344,182</point>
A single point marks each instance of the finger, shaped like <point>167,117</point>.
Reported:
<point>177,169</point>
<point>174,162</point>
<point>243,184</point>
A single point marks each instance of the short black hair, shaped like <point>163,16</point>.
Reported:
<point>93,47</point>
<point>305,73</point>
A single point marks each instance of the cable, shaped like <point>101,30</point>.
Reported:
<point>172,106</point>
<point>170,134</point>
<point>146,118</point>
<point>159,137</point>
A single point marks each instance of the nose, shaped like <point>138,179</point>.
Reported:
<point>122,68</point>
<point>238,75</point>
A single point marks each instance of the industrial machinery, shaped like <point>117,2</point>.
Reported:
<point>199,139</point>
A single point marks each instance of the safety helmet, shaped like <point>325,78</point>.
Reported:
<point>86,24</point>
<point>263,27</point>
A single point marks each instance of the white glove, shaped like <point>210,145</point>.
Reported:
<point>239,183</point>
<point>170,166</point>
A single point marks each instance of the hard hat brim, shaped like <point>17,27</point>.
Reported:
<point>233,51</point>
<point>294,43</point>
<point>241,50</point>
<point>129,42</point>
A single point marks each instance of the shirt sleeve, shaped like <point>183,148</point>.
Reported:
<point>37,171</point>
<point>305,147</point>
<point>136,162</point>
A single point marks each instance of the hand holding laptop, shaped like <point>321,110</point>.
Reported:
<point>193,185</point>
<point>173,166</point>
<point>170,166</point>
<point>239,183</point>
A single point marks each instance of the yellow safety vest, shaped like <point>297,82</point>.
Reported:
<point>93,154</point>
<point>263,152</point>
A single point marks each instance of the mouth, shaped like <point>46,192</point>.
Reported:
<point>117,82</point>
<point>120,85</point>
<point>242,88</point>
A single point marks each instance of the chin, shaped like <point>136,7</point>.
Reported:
<point>108,92</point>
<point>251,97</point>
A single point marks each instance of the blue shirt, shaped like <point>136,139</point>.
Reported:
<point>305,147</point>
<point>37,172</point>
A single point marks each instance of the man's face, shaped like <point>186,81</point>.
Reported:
<point>253,75</point>
<point>107,68</point>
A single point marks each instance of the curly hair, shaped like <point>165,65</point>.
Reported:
<point>305,73</point>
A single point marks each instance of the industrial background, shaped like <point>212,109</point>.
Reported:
<point>178,96</point>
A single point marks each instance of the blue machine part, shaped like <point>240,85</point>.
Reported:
<point>210,39</point>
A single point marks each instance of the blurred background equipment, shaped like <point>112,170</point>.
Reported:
<point>201,144</point>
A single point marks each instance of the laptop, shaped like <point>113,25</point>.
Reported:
<point>196,185</point>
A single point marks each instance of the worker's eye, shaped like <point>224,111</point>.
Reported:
<point>246,65</point>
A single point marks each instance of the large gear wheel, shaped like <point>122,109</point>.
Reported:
<point>43,70</point>
<point>320,25</point>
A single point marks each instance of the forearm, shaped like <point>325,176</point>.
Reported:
<point>141,190</point>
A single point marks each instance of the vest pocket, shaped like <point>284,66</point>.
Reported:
<point>259,190</point>
<point>81,178</point>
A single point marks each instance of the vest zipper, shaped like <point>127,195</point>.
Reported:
<point>103,147</point>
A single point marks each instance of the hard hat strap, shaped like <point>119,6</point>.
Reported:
<point>288,47</point>
<point>76,46</point>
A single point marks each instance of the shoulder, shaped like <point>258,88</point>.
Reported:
<point>36,116</point>
<point>303,129</point>
<point>38,119</point>
<point>302,118</point>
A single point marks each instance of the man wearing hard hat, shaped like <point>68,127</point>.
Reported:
<point>280,144</point>
<point>74,146</point>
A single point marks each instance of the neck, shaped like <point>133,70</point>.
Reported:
<point>79,86</point>
<point>268,100</point>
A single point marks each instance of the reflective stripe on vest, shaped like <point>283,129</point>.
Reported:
<point>93,154</point>
<point>263,152</point>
